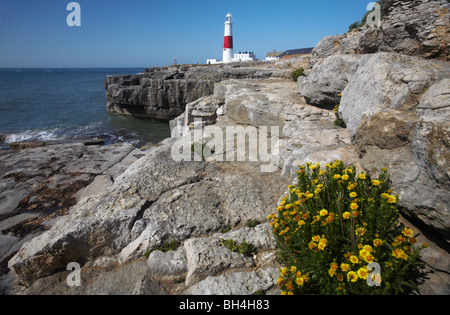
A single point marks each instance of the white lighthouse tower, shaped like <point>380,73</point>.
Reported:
<point>228,41</point>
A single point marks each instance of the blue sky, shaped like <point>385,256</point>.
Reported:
<point>139,33</point>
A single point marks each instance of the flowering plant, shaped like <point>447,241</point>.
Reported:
<point>338,233</point>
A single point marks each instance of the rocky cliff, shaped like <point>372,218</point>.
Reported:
<point>163,93</point>
<point>415,28</point>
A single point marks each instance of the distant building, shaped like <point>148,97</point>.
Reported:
<point>292,52</point>
<point>272,56</point>
<point>244,56</point>
<point>276,55</point>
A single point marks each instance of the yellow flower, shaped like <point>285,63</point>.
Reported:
<point>312,167</point>
<point>400,254</point>
<point>316,238</point>
<point>363,253</point>
<point>283,293</point>
<point>288,206</point>
<point>322,246</point>
<point>354,206</point>
<point>354,259</point>
<point>293,269</point>
<point>346,215</point>
<point>352,276</point>
<point>283,271</point>
<point>362,176</point>
<point>337,176</point>
<point>289,286</point>
<point>280,282</point>
<point>368,248</point>
<point>334,265</point>
<point>301,222</point>
<point>353,194</point>
<point>331,272</point>
<point>299,281</point>
<point>360,231</point>
<point>376,182</point>
<point>407,232</point>
<point>345,267</point>
<point>377,242</point>
<point>323,212</point>
<point>391,199</point>
<point>309,196</point>
<point>345,177</point>
<point>368,258</point>
<point>362,273</point>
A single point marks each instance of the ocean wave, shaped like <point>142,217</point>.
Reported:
<point>42,135</point>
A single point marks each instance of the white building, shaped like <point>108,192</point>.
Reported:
<point>244,56</point>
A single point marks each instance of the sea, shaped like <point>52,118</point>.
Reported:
<point>67,104</point>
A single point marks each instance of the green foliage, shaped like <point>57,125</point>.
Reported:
<point>201,149</point>
<point>297,73</point>
<point>252,223</point>
<point>354,26</point>
<point>225,229</point>
<point>333,224</point>
<point>339,121</point>
<point>165,248</point>
<point>244,248</point>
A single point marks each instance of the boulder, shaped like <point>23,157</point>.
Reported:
<point>328,79</point>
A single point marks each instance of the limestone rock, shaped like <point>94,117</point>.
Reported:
<point>388,81</point>
<point>238,283</point>
<point>170,264</point>
<point>328,79</point>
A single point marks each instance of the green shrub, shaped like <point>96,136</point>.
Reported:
<point>333,224</point>
<point>354,26</point>
<point>244,248</point>
<point>297,73</point>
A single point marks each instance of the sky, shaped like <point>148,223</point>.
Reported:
<point>146,33</point>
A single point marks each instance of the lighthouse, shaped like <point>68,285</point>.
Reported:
<point>228,41</point>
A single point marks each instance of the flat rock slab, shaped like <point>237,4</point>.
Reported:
<point>97,159</point>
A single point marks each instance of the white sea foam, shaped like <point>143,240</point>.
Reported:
<point>32,135</point>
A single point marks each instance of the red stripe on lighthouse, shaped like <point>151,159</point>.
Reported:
<point>228,43</point>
